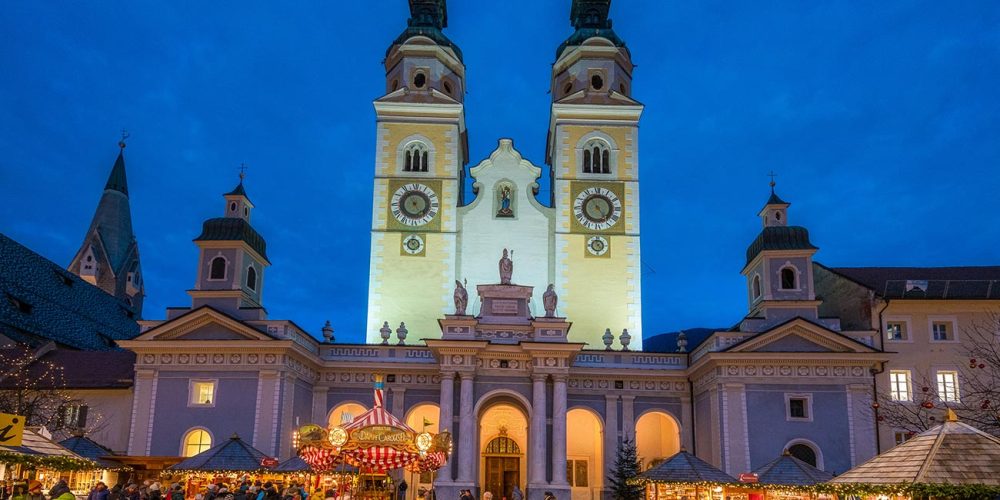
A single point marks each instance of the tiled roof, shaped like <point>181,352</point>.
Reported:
<point>36,444</point>
<point>951,453</point>
<point>93,369</point>
<point>965,282</point>
<point>233,229</point>
<point>41,301</point>
<point>113,217</point>
<point>686,468</point>
<point>787,469</point>
<point>232,455</point>
<point>88,448</point>
<point>780,238</point>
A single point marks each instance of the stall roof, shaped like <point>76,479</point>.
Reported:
<point>684,467</point>
<point>789,470</point>
<point>232,455</point>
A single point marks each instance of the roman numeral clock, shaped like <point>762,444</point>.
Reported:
<point>414,209</point>
<point>598,210</point>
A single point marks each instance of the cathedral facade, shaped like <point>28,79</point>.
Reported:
<point>426,236</point>
<point>529,349</point>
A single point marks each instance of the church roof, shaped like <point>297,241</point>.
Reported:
<point>590,18</point>
<point>780,238</point>
<point>789,470</point>
<point>239,190</point>
<point>40,301</point>
<point>957,283</point>
<point>950,453</point>
<point>113,218</point>
<point>774,199</point>
<point>427,18</point>
<point>117,181</point>
<point>684,467</point>
<point>233,229</point>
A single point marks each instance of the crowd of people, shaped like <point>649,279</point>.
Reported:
<point>153,490</point>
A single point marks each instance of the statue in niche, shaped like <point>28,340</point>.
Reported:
<point>550,300</point>
<point>506,267</point>
<point>461,298</point>
<point>505,209</point>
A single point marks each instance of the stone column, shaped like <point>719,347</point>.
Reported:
<point>447,418</point>
<point>466,429</point>
<point>687,425</point>
<point>628,418</point>
<point>610,433</point>
<point>398,400</point>
<point>537,438</point>
<point>559,430</point>
<point>320,408</point>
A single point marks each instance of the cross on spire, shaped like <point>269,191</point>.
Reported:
<point>772,175</point>
<point>243,171</point>
<point>121,142</point>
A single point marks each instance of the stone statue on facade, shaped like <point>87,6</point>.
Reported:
<point>506,267</point>
<point>550,300</point>
<point>461,298</point>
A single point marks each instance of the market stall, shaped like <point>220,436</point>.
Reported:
<point>685,476</point>
<point>229,463</point>
<point>40,458</point>
<point>785,477</point>
<point>950,460</point>
<point>376,443</point>
<point>110,470</point>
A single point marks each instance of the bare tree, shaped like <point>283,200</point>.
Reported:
<point>979,383</point>
<point>35,388</point>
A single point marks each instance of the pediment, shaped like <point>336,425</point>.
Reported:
<point>800,335</point>
<point>204,323</point>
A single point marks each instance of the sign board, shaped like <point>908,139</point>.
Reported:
<point>748,477</point>
<point>11,429</point>
<point>268,462</point>
<point>382,435</point>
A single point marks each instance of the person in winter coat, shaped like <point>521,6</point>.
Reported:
<point>154,492</point>
<point>132,492</point>
<point>61,492</point>
<point>35,491</point>
<point>116,493</point>
<point>98,492</point>
<point>19,491</point>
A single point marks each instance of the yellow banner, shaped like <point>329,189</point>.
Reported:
<point>11,429</point>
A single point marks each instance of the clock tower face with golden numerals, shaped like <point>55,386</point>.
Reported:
<point>584,240</point>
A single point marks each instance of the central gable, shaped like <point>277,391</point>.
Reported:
<point>204,323</point>
<point>800,335</point>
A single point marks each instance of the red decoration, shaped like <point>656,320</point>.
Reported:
<point>875,405</point>
<point>982,365</point>
<point>972,361</point>
<point>925,388</point>
<point>927,404</point>
<point>881,418</point>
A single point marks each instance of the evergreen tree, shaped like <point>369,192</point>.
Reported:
<point>627,467</point>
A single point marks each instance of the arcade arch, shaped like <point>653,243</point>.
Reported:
<point>344,412</point>
<point>584,453</point>
<point>415,418</point>
<point>503,446</point>
<point>657,436</point>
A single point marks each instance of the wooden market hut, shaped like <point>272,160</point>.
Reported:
<point>109,470</point>
<point>230,460</point>
<point>786,477</point>
<point>684,475</point>
<point>952,459</point>
<point>41,458</point>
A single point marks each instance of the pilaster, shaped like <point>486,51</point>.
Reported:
<point>537,437</point>
<point>446,404</point>
<point>628,417</point>
<point>611,437</point>
<point>466,431</point>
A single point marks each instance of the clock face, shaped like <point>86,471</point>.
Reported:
<point>414,204</point>
<point>413,244</point>
<point>597,246</point>
<point>597,208</point>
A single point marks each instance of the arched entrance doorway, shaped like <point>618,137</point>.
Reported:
<point>503,440</point>
<point>422,417</point>
<point>584,454</point>
<point>657,437</point>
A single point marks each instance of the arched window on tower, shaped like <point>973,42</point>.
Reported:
<point>195,441</point>
<point>596,157</point>
<point>788,279</point>
<point>755,287</point>
<point>217,270</point>
<point>415,157</point>
<point>252,278</point>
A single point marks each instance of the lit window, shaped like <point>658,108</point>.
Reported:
<point>202,393</point>
<point>895,330</point>
<point>195,442</point>
<point>947,386</point>
<point>252,278</point>
<point>415,157</point>
<point>899,385</point>
<point>941,330</point>
<point>217,270</point>
<point>596,157</point>
<point>788,279</point>
<point>798,406</point>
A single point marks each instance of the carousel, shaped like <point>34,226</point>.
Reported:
<point>375,443</point>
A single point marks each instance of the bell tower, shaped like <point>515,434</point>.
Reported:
<point>592,149</point>
<point>421,152</point>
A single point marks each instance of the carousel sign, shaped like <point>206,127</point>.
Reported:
<point>381,435</point>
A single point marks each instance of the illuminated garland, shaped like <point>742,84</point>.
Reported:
<point>856,489</point>
<point>199,472</point>
<point>54,462</point>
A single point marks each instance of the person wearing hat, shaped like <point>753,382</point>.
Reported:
<point>35,490</point>
<point>61,491</point>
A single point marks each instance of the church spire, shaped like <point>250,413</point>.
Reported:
<point>109,255</point>
<point>590,19</point>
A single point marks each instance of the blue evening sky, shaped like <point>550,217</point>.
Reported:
<point>881,118</point>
